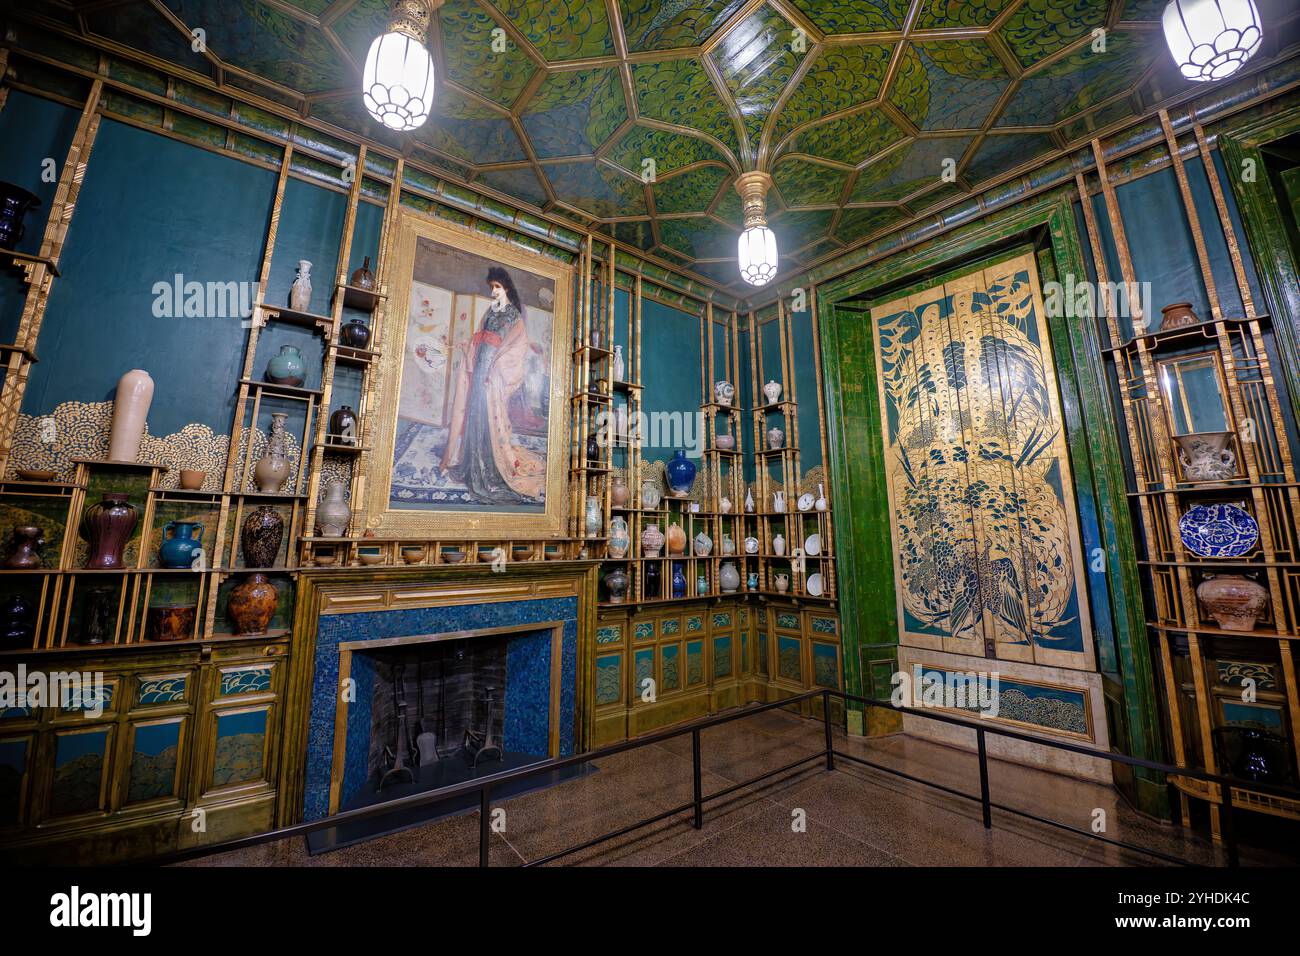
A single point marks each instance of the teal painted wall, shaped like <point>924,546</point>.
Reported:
<point>670,371</point>
<point>31,131</point>
<point>151,207</point>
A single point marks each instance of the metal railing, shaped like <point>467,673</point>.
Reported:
<point>484,786</point>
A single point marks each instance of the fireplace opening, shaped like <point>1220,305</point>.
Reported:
<point>434,702</point>
<point>431,714</point>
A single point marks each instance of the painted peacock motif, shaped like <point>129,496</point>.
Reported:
<point>975,460</point>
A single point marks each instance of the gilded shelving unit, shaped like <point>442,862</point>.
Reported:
<point>1204,665</point>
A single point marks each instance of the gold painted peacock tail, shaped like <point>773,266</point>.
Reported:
<point>974,459</point>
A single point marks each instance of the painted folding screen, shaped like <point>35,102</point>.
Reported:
<point>985,532</point>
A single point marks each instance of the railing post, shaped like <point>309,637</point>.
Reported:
<point>484,821</point>
<point>1229,834</point>
<point>698,785</point>
<point>984,779</point>
<point>826,723</point>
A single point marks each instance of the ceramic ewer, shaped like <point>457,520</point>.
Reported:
<point>619,538</point>
<point>593,516</point>
<point>1218,531</point>
<point>182,540</point>
<point>1207,456</point>
<point>783,582</point>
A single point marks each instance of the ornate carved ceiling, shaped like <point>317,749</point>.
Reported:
<point>857,107</point>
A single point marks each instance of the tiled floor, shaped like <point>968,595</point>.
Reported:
<point>854,816</point>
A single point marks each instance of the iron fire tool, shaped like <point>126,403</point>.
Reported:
<point>426,742</point>
<point>481,747</point>
<point>400,771</point>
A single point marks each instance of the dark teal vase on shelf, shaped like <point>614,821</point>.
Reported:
<point>679,581</point>
<point>177,551</point>
<point>287,368</point>
<point>681,473</point>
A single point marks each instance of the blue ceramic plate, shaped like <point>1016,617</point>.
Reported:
<point>1218,531</point>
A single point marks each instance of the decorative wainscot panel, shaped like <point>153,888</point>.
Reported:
<point>988,569</point>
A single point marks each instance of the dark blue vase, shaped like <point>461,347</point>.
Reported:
<point>679,580</point>
<point>681,473</point>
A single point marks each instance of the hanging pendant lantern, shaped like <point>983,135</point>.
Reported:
<point>397,84</point>
<point>757,248</point>
<point>1211,39</point>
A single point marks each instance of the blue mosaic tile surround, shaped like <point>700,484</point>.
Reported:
<point>532,702</point>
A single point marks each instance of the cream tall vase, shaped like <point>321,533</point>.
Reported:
<point>130,409</point>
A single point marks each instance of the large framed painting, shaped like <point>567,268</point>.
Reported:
<point>987,560</point>
<point>473,439</point>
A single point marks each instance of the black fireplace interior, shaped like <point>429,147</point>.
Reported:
<point>454,697</point>
<point>446,686</point>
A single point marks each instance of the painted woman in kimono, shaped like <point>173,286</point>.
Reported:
<point>481,451</point>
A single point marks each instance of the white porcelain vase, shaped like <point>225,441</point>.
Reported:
<point>772,392</point>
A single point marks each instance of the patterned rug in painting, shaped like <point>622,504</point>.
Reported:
<point>982,508</point>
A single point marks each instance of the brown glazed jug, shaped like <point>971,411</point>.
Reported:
<point>252,604</point>
<point>26,552</point>
<point>107,527</point>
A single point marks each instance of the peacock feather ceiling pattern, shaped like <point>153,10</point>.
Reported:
<point>633,117</point>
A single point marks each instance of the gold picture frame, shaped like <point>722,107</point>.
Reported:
<point>466,524</point>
